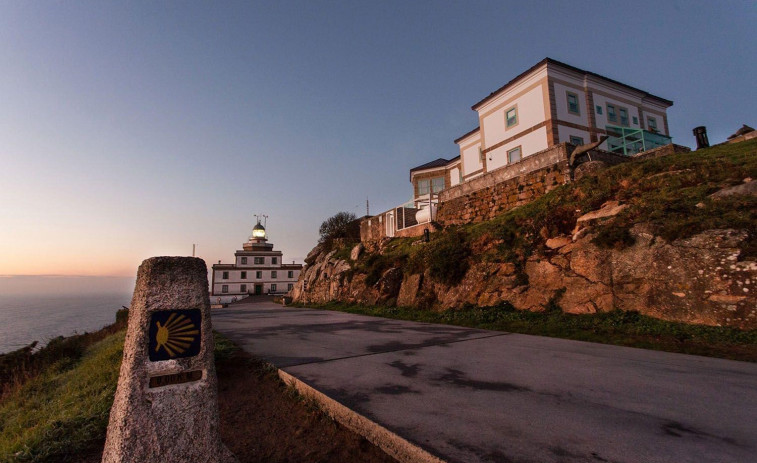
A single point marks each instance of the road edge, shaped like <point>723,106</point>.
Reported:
<point>393,445</point>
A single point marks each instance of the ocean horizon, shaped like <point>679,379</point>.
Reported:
<point>40,308</point>
<point>28,318</point>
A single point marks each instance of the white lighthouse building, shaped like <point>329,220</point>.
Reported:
<point>257,270</point>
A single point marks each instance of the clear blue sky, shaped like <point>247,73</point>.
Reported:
<point>133,129</point>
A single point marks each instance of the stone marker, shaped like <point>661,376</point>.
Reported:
<point>166,403</point>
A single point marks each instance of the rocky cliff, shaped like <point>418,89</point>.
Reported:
<point>674,239</point>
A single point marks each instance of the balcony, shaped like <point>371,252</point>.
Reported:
<point>628,141</point>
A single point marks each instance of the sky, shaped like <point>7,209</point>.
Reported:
<point>137,129</point>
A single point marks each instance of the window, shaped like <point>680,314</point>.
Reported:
<point>513,155</point>
<point>290,286</point>
<point>437,184</point>
<point>243,288</point>
<point>635,120</point>
<point>511,116</point>
<point>573,103</point>
<point>611,115</point>
<point>290,274</point>
<point>623,116</point>
<point>576,140</point>
<point>258,274</point>
<point>273,288</point>
<point>274,260</point>
<point>225,275</point>
<point>244,261</point>
<point>244,276</point>
<point>652,124</point>
<point>599,110</point>
<point>423,186</point>
<point>273,274</point>
<point>259,260</point>
<point>225,288</point>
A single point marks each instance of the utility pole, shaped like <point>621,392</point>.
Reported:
<point>367,208</point>
<point>193,249</point>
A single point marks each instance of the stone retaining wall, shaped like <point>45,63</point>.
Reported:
<point>662,151</point>
<point>500,190</point>
<point>488,202</point>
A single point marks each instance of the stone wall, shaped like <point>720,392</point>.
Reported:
<point>557,154</point>
<point>510,186</point>
<point>372,228</point>
<point>488,202</point>
<point>662,151</point>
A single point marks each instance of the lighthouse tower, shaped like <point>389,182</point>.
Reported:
<point>257,270</point>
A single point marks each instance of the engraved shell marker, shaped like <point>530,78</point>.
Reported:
<point>177,335</point>
<point>174,334</point>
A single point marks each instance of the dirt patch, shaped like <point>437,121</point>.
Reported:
<point>263,420</point>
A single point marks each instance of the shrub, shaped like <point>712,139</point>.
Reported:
<point>613,236</point>
<point>341,225</point>
<point>448,257</point>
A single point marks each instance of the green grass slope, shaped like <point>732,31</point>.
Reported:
<point>671,194</point>
<point>64,410</point>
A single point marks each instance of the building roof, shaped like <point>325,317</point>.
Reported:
<point>572,68</point>
<point>441,162</point>
<point>467,134</point>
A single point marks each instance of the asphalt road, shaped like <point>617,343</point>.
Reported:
<point>469,395</point>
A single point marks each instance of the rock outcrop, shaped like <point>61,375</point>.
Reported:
<point>703,279</point>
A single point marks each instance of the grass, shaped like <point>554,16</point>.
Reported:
<point>618,328</point>
<point>62,411</point>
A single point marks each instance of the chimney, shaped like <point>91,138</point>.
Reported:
<point>701,134</point>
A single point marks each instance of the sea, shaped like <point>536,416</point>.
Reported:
<point>43,311</point>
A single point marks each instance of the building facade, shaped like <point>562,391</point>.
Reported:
<point>257,269</point>
<point>552,103</point>
<point>547,105</point>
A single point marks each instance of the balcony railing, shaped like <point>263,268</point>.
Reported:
<point>628,141</point>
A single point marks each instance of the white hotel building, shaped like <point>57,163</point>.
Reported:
<point>257,270</point>
<point>548,104</point>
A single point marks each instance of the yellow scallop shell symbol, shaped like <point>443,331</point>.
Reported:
<point>176,335</point>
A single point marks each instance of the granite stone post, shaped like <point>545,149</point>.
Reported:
<point>166,403</point>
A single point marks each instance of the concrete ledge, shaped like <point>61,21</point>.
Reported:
<point>394,445</point>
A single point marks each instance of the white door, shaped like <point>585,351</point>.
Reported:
<point>390,224</point>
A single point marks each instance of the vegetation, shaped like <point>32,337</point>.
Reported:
<point>63,411</point>
<point>670,194</point>
<point>619,328</point>
<point>21,365</point>
<point>342,225</point>
<point>59,405</point>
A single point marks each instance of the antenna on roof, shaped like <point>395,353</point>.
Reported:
<point>367,208</point>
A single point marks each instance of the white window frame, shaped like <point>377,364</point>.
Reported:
<point>519,149</point>
<point>424,186</point>
<point>508,124</point>
<point>612,115</point>
<point>569,94</point>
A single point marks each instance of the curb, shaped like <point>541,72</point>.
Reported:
<point>392,444</point>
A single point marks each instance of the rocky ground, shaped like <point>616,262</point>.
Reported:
<point>671,238</point>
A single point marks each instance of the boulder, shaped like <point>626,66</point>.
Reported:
<point>356,251</point>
